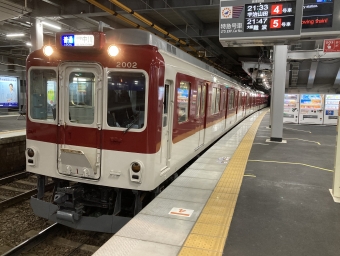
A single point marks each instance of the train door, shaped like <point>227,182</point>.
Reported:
<point>166,126</point>
<point>201,100</point>
<point>80,120</point>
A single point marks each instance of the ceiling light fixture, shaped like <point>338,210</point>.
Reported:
<point>28,44</point>
<point>15,35</point>
<point>50,25</point>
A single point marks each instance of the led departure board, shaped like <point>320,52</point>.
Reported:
<point>270,16</point>
<point>317,14</point>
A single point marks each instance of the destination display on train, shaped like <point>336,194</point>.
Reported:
<point>77,40</point>
<point>275,16</point>
<point>317,14</point>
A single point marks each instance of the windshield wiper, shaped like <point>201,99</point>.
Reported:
<point>135,118</point>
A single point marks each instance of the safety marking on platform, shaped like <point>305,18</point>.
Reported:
<point>261,144</point>
<point>210,232</point>
<point>312,141</point>
<point>181,212</point>
<point>249,175</point>
<point>296,130</point>
<point>278,162</point>
<point>263,136</point>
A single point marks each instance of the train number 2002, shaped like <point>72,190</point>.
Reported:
<point>126,64</point>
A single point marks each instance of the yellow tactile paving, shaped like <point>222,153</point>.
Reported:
<point>213,243</point>
<point>214,219</point>
<point>209,229</point>
<point>210,232</point>
<point>226,190</point>
<point>186,251</point>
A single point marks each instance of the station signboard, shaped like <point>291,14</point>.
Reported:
<point>259,22</point>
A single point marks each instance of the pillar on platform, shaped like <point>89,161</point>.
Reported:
<point>37,35</point>
<point>278,92</point>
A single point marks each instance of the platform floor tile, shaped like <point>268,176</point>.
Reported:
<point>157,229</point>
<point>186,194</point>
<point>122,246</point>
<point>194,183</point>
<point>162,206</point>
<point>214,167</point>
<point>209,160</point>
<point>203,174</point>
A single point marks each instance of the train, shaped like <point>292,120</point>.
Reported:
<point>112,117</point>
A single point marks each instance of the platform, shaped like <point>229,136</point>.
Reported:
<point>283,207</point>
<point>12,122</point>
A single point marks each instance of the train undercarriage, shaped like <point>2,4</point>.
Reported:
<point>91,207</point>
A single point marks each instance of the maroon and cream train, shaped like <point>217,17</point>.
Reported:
<point>112,118</point>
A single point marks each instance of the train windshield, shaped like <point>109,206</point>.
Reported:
<point>126,100</point>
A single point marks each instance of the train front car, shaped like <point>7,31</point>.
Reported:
<point>94,125</point>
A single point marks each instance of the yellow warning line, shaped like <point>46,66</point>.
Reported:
<point>312,166</point>
<point>210,232</point>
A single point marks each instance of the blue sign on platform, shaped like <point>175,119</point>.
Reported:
<point>67,40</point>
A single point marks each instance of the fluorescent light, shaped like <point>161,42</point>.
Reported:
<point>51,25</point>
<point>28,44</point>
<point>15,35</point>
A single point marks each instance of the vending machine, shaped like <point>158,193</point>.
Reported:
<point>311,109</point>
<point>331,109</point>
<point>291,108</point>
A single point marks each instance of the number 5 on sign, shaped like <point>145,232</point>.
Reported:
<point>275,23</point>
<point>276,9</point>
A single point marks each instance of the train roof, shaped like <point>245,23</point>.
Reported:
<point>141,37</point>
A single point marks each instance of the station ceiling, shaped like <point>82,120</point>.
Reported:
<point>193,25</point>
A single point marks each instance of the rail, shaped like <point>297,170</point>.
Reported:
<point>33,241</point>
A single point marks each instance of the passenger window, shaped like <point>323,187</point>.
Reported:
<point>218,100</point>
<point>165,105</point>
<point>213,101</point>
<point>231,100</point>
<point>183,93</point>
<point>126,99</point>
<point>43,94</point>
<point>198,101</point>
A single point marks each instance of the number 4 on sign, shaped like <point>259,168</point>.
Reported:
<point>181,212</point>
<point>276,9</point>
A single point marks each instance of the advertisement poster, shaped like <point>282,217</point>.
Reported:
<point>8,92</point>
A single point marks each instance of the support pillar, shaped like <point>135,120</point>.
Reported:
<point>37,35</point>
<point>335,191</point>
<point>278,92</point>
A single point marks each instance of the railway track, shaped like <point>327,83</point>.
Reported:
<point>54,236</point>
<point>11,187</point>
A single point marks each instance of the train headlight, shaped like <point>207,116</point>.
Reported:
<point>48,50</point>
<point>30,152</point>
<point>113,50</point>
<point>135,167</point>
